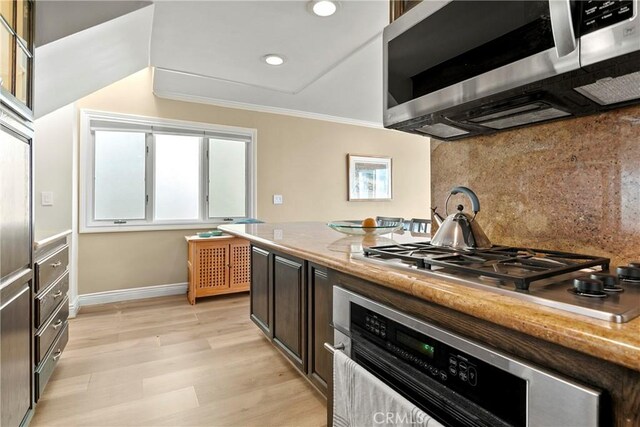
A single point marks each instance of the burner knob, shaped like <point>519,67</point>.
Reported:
<point>608,280</point>
<point>631,272</point>
<point>587,285</point>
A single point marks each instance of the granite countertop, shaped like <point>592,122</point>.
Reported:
<point>314,241</point>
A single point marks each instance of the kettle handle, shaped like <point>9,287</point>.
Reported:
<point>475,202</point>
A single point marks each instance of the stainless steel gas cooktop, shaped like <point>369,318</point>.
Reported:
<point>581,284</point>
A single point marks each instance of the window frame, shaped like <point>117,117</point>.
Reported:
<point>88,224</point>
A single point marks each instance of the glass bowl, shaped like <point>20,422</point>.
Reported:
<point>212,233</point>
<point>355,228</point>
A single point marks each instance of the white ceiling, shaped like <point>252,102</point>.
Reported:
<point>77,65</point>
<point>210,51</point>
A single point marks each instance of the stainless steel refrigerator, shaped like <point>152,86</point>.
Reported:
<point>16,262</point>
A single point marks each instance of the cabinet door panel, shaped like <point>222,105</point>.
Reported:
<point>15,244</point>
<point>211,268</point>
<point>15,357</point>
<point>289,309</point>
<point>240,270</point>
<point>260,289</point>
<point>320,330</point>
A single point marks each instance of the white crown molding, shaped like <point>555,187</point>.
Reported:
<point>264,109</point>
<point>129,294</point>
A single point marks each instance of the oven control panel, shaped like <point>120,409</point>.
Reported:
<point>421,355</point>
<point>418,362</point>
<point>376,325</point>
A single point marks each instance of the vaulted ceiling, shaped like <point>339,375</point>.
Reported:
<point>211,52</point>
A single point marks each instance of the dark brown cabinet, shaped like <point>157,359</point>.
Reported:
<point>291,301</point>
<point>261,289</point>
<point>15,351</point>
<point>320,308</point>
<point>289,321</point>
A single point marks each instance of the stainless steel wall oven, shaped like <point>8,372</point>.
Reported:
<point>455,380</point>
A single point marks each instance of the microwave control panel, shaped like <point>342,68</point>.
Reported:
<point>597,14</point>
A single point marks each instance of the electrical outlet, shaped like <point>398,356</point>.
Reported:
<point>47,198</point>
<point>277,199</point>
<point>278,234</point>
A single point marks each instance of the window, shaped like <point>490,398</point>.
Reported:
<point>177,177</point>
<point>141,173</point>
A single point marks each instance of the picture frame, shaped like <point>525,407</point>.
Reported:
<point>369,178</point>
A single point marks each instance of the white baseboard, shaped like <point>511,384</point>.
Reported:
<point>73,307</point>
<point>130,294</point>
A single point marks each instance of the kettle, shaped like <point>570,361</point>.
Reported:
<point>460,230</point>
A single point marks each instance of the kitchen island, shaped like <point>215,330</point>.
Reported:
<point>599,353</point>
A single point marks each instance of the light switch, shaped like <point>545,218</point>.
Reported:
<point>277,199</point>
<point>47,198</point>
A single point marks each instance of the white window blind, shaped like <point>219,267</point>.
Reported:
<point>143,173</point>
<point>227,178</point>
<point>119,183</point>
<point>177,177</point>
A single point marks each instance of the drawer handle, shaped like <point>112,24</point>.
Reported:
<point>57,294</point>
<point>57,324</point>
<point>57,355</point>
<point>56,264</point>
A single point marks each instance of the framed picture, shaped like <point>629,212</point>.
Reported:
<point>369,178</point>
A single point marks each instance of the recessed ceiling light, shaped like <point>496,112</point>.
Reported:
<point>273,59</point>
<point>324,7</point>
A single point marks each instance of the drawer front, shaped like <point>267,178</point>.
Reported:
<point>56,323</point>
<point>43,373</point>
<point>50,299</point>
<point>51,267</point>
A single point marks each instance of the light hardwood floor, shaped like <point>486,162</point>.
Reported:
<point>163,362</point>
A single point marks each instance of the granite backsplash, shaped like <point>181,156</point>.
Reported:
<point>572,185</point>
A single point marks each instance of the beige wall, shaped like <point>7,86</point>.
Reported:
<point>53,151</point>
<point>302,159</point>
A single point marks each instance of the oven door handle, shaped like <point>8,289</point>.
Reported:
<point>332,349</point>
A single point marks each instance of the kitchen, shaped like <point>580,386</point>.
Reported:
<point>569,185</point>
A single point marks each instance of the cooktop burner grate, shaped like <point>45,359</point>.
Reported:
<point>510,264</point>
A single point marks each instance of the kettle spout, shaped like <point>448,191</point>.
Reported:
<point>437,216</point>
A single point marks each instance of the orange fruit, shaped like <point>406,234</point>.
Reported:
<point>369,222</point>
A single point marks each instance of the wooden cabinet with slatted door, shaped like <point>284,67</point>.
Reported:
<point>217,265</point>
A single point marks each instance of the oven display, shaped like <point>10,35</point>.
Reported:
<point>412,343</point>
